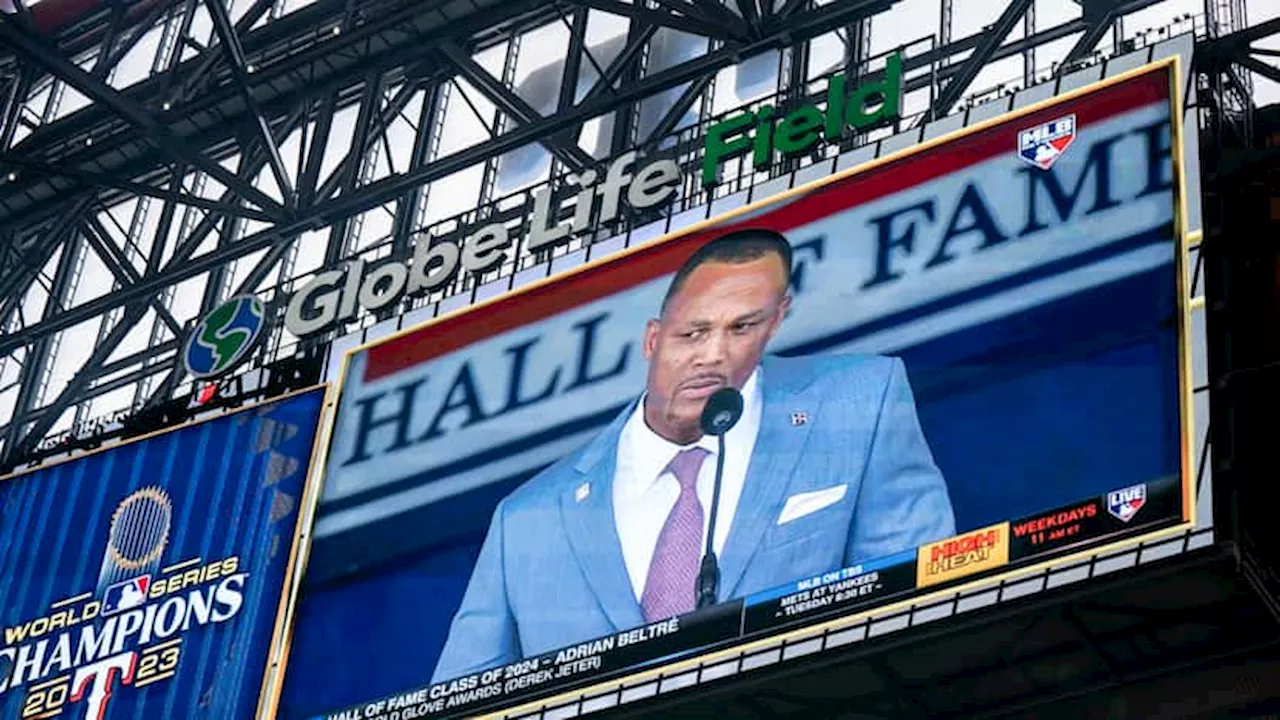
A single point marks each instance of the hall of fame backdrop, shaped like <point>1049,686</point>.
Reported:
<point>151,579</point>
<point>1030,273</point>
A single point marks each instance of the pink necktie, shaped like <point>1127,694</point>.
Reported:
<point>669,587</point>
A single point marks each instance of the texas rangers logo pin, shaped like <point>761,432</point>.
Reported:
<point>1126,502</point>
<point>1043,144</point>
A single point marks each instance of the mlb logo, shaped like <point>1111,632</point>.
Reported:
<point>1042,145</point>
<point>125,595</point>
<point>1126,503</point>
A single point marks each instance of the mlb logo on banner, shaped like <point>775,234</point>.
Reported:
<point>125,595</point>
<point>1126,503</point>
<point>1043,144</point>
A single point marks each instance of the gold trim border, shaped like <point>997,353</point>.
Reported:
<point>299,551</point>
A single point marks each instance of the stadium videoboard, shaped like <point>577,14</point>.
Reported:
<point>970,356</point>
<point>155,578</point>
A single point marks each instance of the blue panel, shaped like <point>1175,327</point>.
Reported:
<point>99,538</point>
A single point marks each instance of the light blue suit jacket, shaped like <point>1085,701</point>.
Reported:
<point>551,573</point>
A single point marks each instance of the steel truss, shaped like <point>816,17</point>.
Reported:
<point>199,143</point>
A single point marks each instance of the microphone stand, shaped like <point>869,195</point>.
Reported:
<point>709,574</point>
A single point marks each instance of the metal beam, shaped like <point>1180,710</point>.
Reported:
<point>14,282</point>
<point>573,60</point>
<point>1099,22</point>
<point>1263,69</point>
<point>35,52</point>
<point>373,123</point>
<point>230,42</point>
<point>574,157</point>
<point>789,8</point>
<point>209,59</point>
<point>991,40</point>
<point>624,60</point>
<point>667,124</point>
<point>100,240</point>
<point>11,110</point>
<point>111,54</point>
<point>639,13</point>
<point>750,15</point>
<point>711,12</point>
<point>96,180</point>
<point>91,369</point>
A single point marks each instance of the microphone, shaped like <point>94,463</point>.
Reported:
<point>722,411</point>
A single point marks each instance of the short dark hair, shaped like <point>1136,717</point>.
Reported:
<point>737,247</point>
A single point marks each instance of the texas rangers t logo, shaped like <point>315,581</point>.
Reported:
<point>1043,144</point>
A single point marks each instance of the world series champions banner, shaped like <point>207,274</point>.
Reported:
<point>148,580</point>
<point>982,366</point>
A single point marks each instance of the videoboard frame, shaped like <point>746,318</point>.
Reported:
<point>294,569</point>
<point>1065,555</point>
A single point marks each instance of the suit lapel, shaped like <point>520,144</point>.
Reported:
<point>593,534</point>
<point>773,460</point>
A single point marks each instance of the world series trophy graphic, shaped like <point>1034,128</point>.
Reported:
<point>135,543</point>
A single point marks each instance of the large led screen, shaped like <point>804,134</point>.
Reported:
<point>960,359</point>
<point>150,580</point>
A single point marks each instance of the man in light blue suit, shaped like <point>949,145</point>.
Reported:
<point>828,467</point>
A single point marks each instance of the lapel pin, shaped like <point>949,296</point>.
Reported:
<point>799,418</point>
<point>582,492</point>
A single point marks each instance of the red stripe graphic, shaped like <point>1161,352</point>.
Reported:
<point>446,336</point>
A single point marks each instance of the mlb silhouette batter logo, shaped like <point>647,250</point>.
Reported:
<point>1043,144</point>
<point>125,595</point>
<point>1126,503</point>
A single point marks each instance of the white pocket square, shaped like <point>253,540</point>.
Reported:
<point>802,504</point>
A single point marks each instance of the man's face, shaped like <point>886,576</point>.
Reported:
<point>712,334</point>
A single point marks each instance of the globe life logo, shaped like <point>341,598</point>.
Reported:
<point>224,337</point>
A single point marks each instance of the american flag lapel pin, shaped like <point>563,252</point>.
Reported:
<point>799,418</point>
<point>583,491</point>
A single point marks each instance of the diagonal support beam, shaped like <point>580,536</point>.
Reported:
<point>639,13</point>
<point>91,369</point>
<point>112,52</point>
<point>574,157</point>
<point>677,111</point>
<point>573,60</point>
<point>994,36</point>
<point>29,261</point>
<point>100,240</point>
<point>93,179</point>
<point>710,12</point>
<point>230,42</point>
<point>193,76</point>
<point>376,126</point>
<point>11,106</point>
<point>788,8</point>
<point>1099,22</point>
<point>1263,69</point>
<point>38,54</point>
<point>750,14</point>
<point>625,59</point>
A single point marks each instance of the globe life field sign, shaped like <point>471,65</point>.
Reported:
<point>338,295</point>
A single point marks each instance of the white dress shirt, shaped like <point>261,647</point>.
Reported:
<point>644,491</point>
